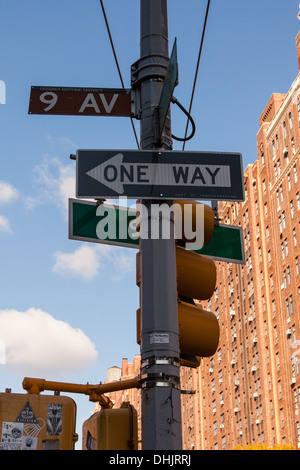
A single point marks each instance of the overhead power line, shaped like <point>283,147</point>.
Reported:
<point>195,77</point>
<point>197,69</point>
<point>117,63</point>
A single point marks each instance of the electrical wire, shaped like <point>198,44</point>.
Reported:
<point>197,69</point>
<point>117,63</point>
<point>190,119</point>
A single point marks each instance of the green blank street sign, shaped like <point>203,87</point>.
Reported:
<point>226,243</point>
<point>83,221</point>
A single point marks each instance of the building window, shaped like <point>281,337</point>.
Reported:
<point>282,251</point>
<point>293,145</point>
<point>287,304</point>
<point>291,304</point>
<point>265,328</point>
<point>290,121</point>
<point>281,411</point>
<point>295,237</point>
<point>281,193</point>
<point>277,197</point>
<point>284,278</point>
<point>295,174</point>
<point>286,157</point>
<point>262,279</point>
<point>262,156</point>
<point>280,224</point>
<point>284,130</point>
<point>292,208</point>
<point>286,247</point>
<point>279,390</point>
<point>277,362</point>
<point>296,399</point>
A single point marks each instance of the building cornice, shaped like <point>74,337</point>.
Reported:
<point>284,105</point>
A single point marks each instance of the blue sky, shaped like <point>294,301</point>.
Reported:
<point>67,309</point>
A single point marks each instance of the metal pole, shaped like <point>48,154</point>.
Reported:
<point>160,371</point>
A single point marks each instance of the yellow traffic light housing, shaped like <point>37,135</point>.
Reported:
<point>111,429</point>
<point>199,331</point>
<point>189,211</point>
<point>37,422</point>
<point>196,274</point>
<point>196,280</point>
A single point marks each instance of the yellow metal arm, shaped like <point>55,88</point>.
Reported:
<point>95,392</point>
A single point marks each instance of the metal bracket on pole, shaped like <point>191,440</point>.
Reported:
<point>159,379</point>
<point>161,361</point>
<point>150,67</point>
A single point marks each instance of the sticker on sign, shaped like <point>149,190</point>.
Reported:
<point>159,338</point>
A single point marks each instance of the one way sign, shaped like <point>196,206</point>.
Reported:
<point>151,174</point>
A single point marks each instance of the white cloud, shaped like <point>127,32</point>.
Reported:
<point>87,261</point>
<point>7,193</point>
<point>65,143</point>
<point>56,183</point>
<point>4,225</point>
<point>123,262</point>
<point>36,340</point>
<point>83,262</point>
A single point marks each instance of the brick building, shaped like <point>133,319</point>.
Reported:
<point>251,387</point>
<point>249,391</point>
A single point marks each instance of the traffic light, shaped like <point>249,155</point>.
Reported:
<point>111,429</point>
<point>30,421</point>
<point>196,281</point>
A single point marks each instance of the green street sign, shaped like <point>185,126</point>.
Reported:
<point>114,225</point>
<point>171,80</point>
<point>226,244</point>
<point>105,223</point>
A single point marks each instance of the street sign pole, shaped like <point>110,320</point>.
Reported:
<point>160,371</point>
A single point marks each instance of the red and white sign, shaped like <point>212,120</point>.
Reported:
<point>80,101</point>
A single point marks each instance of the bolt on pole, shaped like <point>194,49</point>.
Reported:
<point>160,368</point>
